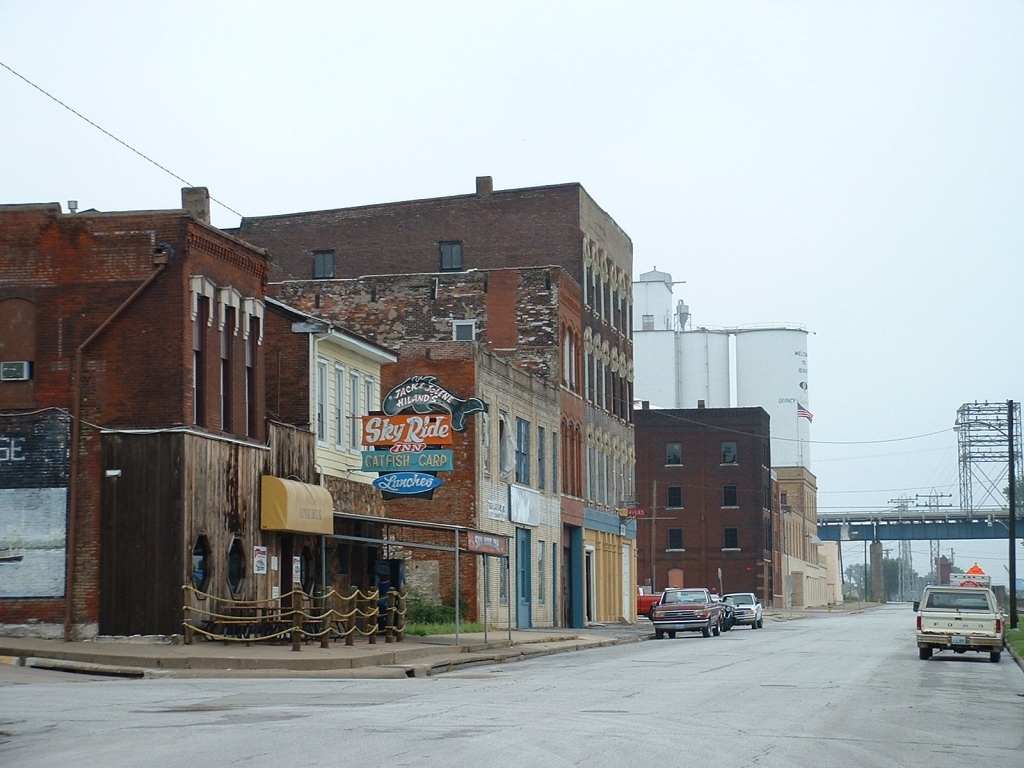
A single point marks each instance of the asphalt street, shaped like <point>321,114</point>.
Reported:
<point>830,690</point>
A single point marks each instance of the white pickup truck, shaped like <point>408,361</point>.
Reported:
<point>959,619</point>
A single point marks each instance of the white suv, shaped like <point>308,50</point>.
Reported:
<point>747,608</point>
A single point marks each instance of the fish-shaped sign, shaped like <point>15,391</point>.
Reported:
<point>424,395</point>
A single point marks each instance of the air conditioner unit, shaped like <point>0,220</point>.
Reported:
<point>15,370</point>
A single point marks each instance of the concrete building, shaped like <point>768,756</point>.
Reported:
<point>550,277</point>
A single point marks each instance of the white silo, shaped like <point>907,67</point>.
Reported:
<point>703,373</point>
<point>654,339</point>
<point>771,372</point>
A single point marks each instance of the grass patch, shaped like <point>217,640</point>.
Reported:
<point>422,630</point>
<point>1015,639</point>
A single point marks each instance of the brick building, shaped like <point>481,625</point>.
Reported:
<point>132,409</point>
<point>570,323</point>
<point>704,476</point>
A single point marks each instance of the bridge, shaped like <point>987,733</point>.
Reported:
<point>947,524</point>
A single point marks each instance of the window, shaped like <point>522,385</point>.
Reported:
<point>648,322</point>
<point>729,453</point>
<point>323,264</point>
<point>554,461</point>
<point>339,406</point>
<point>451,257</point>
<point>541,577</point>
<point>201,564</point>
<point>522,451</point>
<point>355,437</point>
<point>673,453</point>
<point>199,359</point>
<point>730,496</point>
<point>463,330</point>
<point>675,538</point>
<point>541,459</point>
<point>226,336</point>
<point>250,377</point>
<point>675,497</point>
<point>236,566</point>
<point>307,571</point>
<point>783,499</point>
<point>369,395</point>
<point>506,445</point>
<point>503,581</point>
<point>731,539</point>
<point>321,401</point>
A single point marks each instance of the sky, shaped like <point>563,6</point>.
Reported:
<point>854,167</point>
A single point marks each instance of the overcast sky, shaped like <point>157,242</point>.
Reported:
<point>857,168</point>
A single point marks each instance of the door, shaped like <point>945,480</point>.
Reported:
<point>591,584</point>
<point>524,591</point>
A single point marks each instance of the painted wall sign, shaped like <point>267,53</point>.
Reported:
<point>407,483</point>
<point>486,543</point>
<point>34,463</point>
<point>435,429</point>
<point>423,394</point>
<point>424,461</point>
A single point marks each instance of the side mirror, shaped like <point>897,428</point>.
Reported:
<point>917,605</point>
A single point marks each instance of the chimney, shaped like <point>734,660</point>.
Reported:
<point>700,403</point>
<point>484,186</point>
<point>196,200</point>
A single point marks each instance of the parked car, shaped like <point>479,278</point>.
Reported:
<point>646,602</point>
<point>728,613</point>
<point>690,609</point>
<point>747,609</point>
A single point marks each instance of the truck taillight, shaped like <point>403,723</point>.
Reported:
<point>999,626</point>
<point>918,623</point>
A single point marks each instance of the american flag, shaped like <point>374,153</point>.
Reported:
<point>801,410</point>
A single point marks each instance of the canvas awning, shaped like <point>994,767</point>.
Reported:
<point>288,505</point>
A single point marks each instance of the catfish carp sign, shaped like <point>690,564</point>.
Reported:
<point>424,395</point>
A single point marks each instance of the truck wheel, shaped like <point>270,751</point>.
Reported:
<point>716,630</point>
<point>706,631</point>
<point>671,634</point>
<point>994,657</point>
<point>925,653</point>
<point>658,634</point>
<point>760,623</point>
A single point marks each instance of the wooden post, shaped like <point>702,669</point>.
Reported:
<point>400,619</point>
<point>371,604</point>
<point>325,623</point>
<point>389,623</point>
<point>350,621</point>
<point>296,620</point>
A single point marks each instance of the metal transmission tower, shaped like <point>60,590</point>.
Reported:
<point>904,558</point>
<point>983,432</point>
<point>933,503</point>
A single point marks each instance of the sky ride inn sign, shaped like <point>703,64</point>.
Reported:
<point>407,450</point>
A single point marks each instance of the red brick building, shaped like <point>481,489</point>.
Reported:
<point>132,343</point>
<point>704,476</point>
<point>480,243</point>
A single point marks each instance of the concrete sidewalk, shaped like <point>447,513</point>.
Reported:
<point>413,657</point>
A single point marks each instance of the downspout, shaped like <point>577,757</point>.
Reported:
<point>76,431</point>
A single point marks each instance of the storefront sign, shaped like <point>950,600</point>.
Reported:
<point>484,543</point>
<point>435,429</point>
<point>423,394</point>
<point>259,560</point>
<point>633,512</point>
<point>407,483</point>
<point>424,461</point>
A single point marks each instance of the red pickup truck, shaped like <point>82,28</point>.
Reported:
<point>645,602</point>
<point>681,610</point>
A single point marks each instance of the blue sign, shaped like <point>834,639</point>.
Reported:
<point>424,461</point>
<point>407,483</point>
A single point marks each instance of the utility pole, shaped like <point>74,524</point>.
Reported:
<point>1012,497</point>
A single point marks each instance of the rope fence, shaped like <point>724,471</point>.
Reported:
<point>303,617</point>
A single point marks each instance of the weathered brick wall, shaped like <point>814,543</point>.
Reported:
<point>702,476</point>
<point>137,372</point>
<point>526,227</point>
<point>287,370</point>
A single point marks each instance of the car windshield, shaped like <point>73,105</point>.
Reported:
<point>741,598</point>
<point>685,597</point>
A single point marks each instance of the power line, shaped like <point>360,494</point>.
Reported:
<point>104,131</point>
